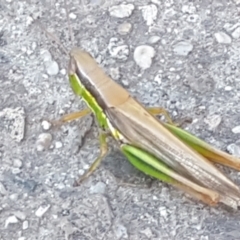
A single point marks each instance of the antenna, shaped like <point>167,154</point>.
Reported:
<point>52,36</point>
<point>70,31</point>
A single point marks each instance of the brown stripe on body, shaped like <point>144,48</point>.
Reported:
<point>106,91</point>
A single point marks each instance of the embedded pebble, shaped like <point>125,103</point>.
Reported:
<point>143,56</point>
<point>158,78</point>
<point>117,49</point>
<point>188,9</point>
<point>121,11</point>
<point>46,56</point>
<point>11,220</point>
<point>124,28</point>
<point>20,215</point>
<point>44,141</point>
<point>236,129</point>
<point>72,16</point>
<point>234,149</point>
<point>99,187</point>
<point>154,39</point>
<point>14,122</point>
<point>230,27</point>
<point>236,33</point>
<point>157,2</point>
<point>125,83</point>
<point>237,1</point>
<point>17,163</point>
<point>213,121</point>
<point>228,88</point>
<point>149,13</point>
<point>16,171</point>
<point>13,197</point>
<point>25,225</point>
<point>121,231</point>
<point>3,190</point>
<point>63,72</point>
<point>182,48</point>
<point>52,68</point>
<point>147,232</point>
<point>193,18</point>
<point>222,37</point>
<point>46,125</point>
<point>163,211</point>
<point>58,144</point>
<point>42,210</point>
<point>114,73</point>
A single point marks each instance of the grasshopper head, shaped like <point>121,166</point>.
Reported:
<point>81,61</point>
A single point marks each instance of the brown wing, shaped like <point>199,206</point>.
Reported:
<point>146,132</point>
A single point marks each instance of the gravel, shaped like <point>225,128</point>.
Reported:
<point>193,70</point>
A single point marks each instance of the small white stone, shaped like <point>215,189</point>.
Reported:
<point>124,28</point>
<point>46,125</point>
<point>44,141</point>
<point>63,71</point>
<point>114,73</point>
<point>155,198</point>
<point>182,48</point>
<point>11,220</point>
<point>228,88</point>
<point>236,129</point>
<point>25,225</point>
<point>61,112</point>
<point>222,37</point>
<point>149,13</point>
<point>158,78</point>
<point>163,212</point>
<point>121,231</point>
<point>72,16</point>
<point>81,172</point>
<point>16,171</point>
<point>236,33</point>
<point>213,121</point>
<point>234,149</point>
<point>15,117</point>
<point>237,1</point>
<point>157,2</point>
<point>46,55</point>
<point>52,68</point>
<point>154,39</point>
<point>42,210</point>
<point>58,144</point>
<point>188,9</point>
<point>17,163</point>
<point>147,232</point>
<point>193,18</point>
<point>3,190</point>
<point>121,11</point>
<point>143,56</point>
<point>24,49</point>
<point>20,215</point>
<point>14,197</point>
<point>117,49</point>
<point>34,45</point>
<point>99,187</point>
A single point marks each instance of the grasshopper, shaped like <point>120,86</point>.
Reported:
<point>160,150</point>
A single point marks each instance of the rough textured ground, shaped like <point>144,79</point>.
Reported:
<point>192,68</point>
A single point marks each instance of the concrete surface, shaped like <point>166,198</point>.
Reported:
<point>191,66</point>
